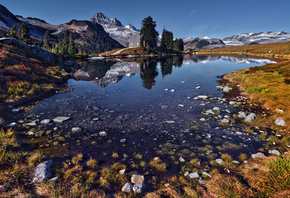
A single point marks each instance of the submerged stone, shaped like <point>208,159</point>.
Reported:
<point>61,119</point>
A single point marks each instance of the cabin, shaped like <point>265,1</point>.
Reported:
<point>134,41</point>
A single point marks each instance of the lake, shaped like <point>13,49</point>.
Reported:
<point>148,107</point>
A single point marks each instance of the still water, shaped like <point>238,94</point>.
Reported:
<point>148,107</point>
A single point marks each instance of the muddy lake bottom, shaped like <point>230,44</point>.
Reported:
<point>139,114</point>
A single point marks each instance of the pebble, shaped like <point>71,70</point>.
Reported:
<point>103,133</point>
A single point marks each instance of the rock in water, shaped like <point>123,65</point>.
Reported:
<point>61,119</point>
<point>42,171</point>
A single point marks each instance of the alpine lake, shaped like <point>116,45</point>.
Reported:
<point>134,110</point>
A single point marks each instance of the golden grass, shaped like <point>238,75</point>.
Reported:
<point>269,85</point>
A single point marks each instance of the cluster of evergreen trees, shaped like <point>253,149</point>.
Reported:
<point>66,45</point>
<point>20,31</point>
<point>149,38</point>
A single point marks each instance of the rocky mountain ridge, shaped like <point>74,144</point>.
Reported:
<point>115,29</point>
<point>92,36</point>
<point>257,38</point>
<point>202,43</point>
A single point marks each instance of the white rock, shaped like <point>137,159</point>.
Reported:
<point>172,90</point>
<point>216,109</point>
<point>250,117</point>
<point>122,172</point>
<point>61,119</point>
<point>76,129</point>
<point>280,110</point>
<point>280,122</point>
<point>137,179</point>
<point>258,155</point>
<point>42,171</point>
<point>45,121</point>
<point>103,133</point>
<point>127,188</point>
<point>275,152</point>
<point>123,140</point>
<point>170,122</point>
<point>53,179</point>
<point>193,175</point>
<point>181,105</point>
<point>227,89</point>
<point>202,182</point>
<point>13,124</point>
<point>219,161</point>
<point>219,87</point>
<point>137,188</point>
<point>198,87</point>
<point>15,111</point>
<point>206,173</point>
<point>165,89</point>
<point>209,112</point>
<point>166,185</point>
<point>202,97</point>
<point>186,174</point>
<point>242,115</point>
<point>202,119</point>
<point>181,159</point>
<point>232,103</point>
<point>236,162</point>
<point>239,133</point>
<point>183,82</point>
<point>226,121</point>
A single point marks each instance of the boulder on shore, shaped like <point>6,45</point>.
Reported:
<point>42,171</point>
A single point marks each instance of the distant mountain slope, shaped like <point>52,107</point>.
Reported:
<point>257,38</point>
<point>91,36</point>
<point>202,43</point>
<point>115,29</point>
<point>7,19</point>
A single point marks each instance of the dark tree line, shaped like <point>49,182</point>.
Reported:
<point>149,38</point>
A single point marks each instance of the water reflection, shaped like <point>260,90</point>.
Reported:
<point>104,72</point>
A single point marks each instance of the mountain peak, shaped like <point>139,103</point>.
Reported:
<point>131,27</point>
<point>102,19</point>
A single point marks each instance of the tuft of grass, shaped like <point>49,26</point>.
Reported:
<point>138,156</point>
<point>92,163</point>
<point>34,158</point>
<point>158,165</point>
<point>228,186</point>
<point>77,159</point>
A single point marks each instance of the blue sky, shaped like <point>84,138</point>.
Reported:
<point>213,18</point>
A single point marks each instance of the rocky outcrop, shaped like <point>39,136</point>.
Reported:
<point>42,53</point>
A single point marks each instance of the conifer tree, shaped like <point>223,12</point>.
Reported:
<point>24,34</point>
<point>167,40</point>
<point>46,44</point>
<point>12,33</point>
<point>148,34</point>
<point>71,46</point>
<point>178,45</point>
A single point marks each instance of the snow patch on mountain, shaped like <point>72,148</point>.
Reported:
<point>257,38</point>
<point>115,29</point>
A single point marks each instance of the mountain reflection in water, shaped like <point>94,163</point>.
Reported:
<point>104,72</point>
